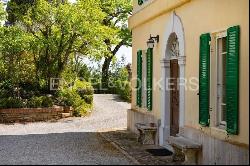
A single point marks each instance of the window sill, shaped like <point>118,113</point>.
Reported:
<point>219,133</point>
<point>142,110</point>
<point>221,127</point>
<point>219,130</point>
<point>215,132</point>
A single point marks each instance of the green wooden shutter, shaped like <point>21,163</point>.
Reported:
<point>139,78</point>
<point>204,79</point>
<point>149,78</point>
<point>232,79</point>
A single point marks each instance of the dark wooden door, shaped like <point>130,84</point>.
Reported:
<point>174,97</point>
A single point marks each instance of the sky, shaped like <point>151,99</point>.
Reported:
<point>127,52</point>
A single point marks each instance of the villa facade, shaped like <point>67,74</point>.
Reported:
<point>190,74</point>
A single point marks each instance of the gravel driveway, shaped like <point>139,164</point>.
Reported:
<point>68,141</point>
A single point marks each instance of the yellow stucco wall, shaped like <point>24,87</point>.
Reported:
<point>198,17</point>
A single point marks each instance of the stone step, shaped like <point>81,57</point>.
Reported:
<point>183,143</point>
<point>66,115</point>
<point>67,109</point>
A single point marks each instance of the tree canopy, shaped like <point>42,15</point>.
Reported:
<point>117,13</point>
<point>2,13</point>
<point>48,34</point>
<point>56,29</point>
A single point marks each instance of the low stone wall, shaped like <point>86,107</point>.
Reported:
<point>13,115</point>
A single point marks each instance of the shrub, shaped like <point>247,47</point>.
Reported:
<point>88,99</point>
<point>68,97</point>
<point>29,89</point>
<point>35,102</point>
<point>6,89</point>
<point>42,101</point>
<point>98,88</point>
<point>83,88</point>
<point>11,102</point>
<point>123,88</point>
<point>47,101</point>
<point>77,99</point>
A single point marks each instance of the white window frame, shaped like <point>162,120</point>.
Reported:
<point>221,124</point>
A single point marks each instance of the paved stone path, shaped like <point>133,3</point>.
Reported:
<point>67,141</point>
<point>127,141</point>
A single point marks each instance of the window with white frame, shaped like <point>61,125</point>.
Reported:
<point>219,79</point>
<point>221,54</point>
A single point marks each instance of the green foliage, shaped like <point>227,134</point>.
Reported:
<point>70,97</point>
<point>2,12</point>
<point>16,62</point>
<point>6,89</point>
<point>47,101</point>
<point>11,102</point>
<point>117,13</point>
<point>83,88</point>
<point>17,6</point>
<point>48,39</point>
<point>57,29</point>
<point>35,102</point>
<point>79,96</point>
<point>124,90</point>
<point>122,85</point>
<point>84,72</point>
<point>88,99</point>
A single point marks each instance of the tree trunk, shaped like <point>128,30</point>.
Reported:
<point>107,61</point>
<point>105,71</point>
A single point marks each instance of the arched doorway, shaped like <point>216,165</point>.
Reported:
<point>173,74</point>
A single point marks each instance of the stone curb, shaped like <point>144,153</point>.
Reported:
<point>135,162</point>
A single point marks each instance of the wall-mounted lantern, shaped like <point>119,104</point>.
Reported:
<point>151,41</point>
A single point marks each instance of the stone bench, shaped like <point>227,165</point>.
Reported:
<point>184,146</point>
<point>146,133</point>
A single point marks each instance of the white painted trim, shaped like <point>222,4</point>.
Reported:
<point>174,25</point>
<point>165,104</point>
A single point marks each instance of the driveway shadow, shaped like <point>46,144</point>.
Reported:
<point>59,148</point>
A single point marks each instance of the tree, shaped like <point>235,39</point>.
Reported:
<point>16,62</point>
<point>17,6</point>
<point>58,29</point>
<point>2,13</point>
<point>117,13</point>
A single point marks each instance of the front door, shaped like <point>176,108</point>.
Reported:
<point>174,97</point>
